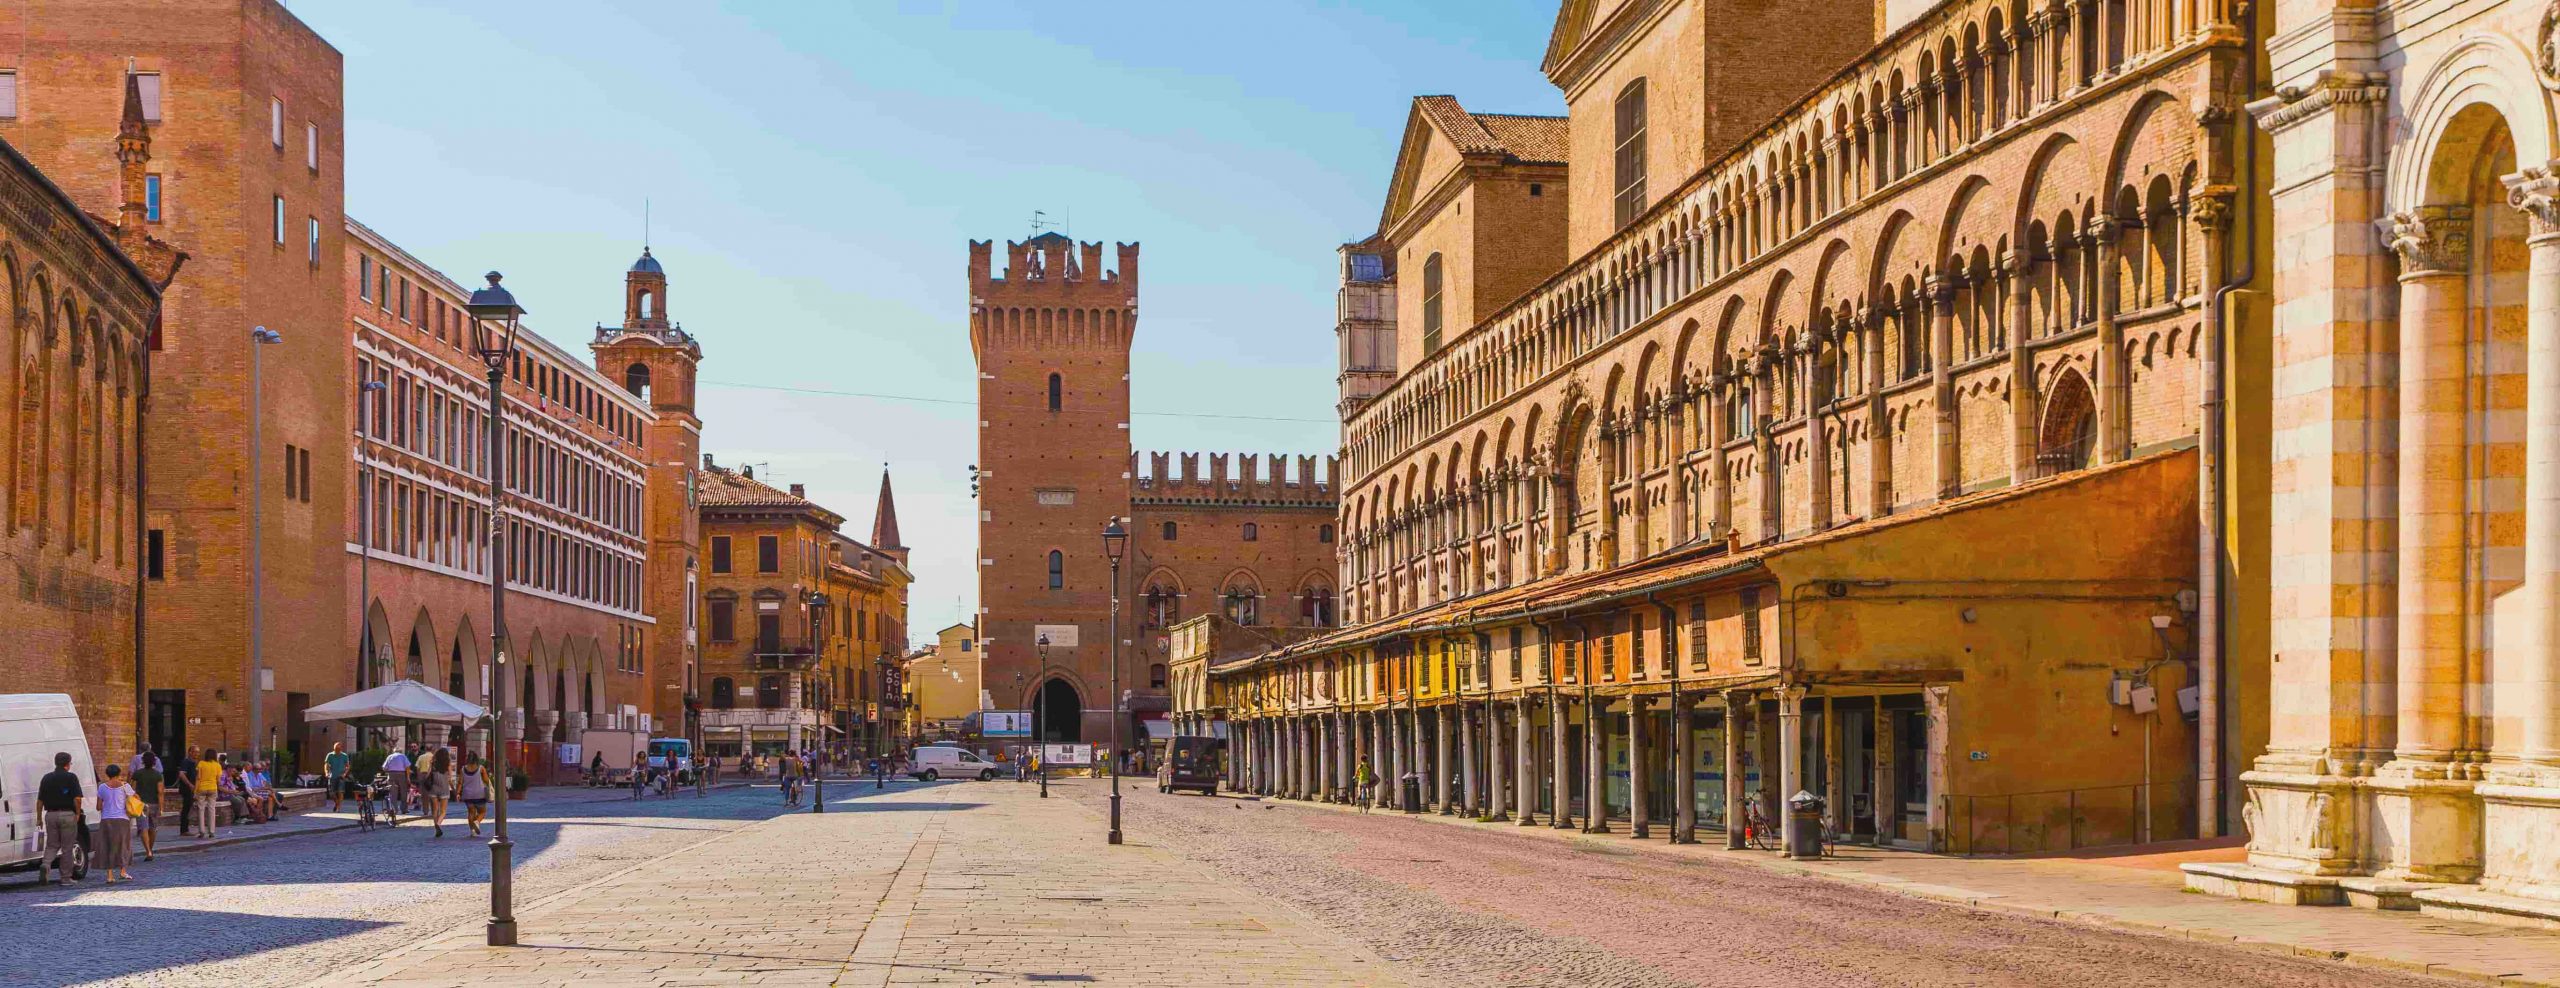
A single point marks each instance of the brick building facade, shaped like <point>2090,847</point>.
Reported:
<point>1051,334</point>
<point>83,304</point>
<point>246,175</point>
<point>800,622</point>
<point>417,566</point>
<point>655,361</point>
<point>1870,399</point>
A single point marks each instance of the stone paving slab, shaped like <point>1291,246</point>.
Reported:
<point>956,883</point>
<point>2143,893</point>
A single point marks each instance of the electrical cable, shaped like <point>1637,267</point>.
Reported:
<point>961,401</point>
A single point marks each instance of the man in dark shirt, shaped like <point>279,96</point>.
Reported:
<point>182,772</point>
<point>58,794</point>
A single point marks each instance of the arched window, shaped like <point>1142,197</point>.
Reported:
<point>1243,606</point>
<point>1168,531</point>
<point>1155,676</point>
<point>1324,533</point>
<point>2069,430</point>
<point>724,693</point>
<point>1431,305</point>
<point>1057,570</point>
<point>1315,608</point>
<point>1252,532</point>
<point>636,380</point>
<point>1164,607</point>
<point>648,305</point>
<point>1057,392</point>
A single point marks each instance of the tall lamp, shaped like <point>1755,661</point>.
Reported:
<point>818,602</point>
<point>494,320</point>
<point>1115,544</point>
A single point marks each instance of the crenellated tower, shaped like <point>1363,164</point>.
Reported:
<point>1051,333</point>
<point>656,359</point>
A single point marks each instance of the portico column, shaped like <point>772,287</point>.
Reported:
<point>1497,805</point>
<point>1733,792</point>
<point>1595,763</point>
<point>1719,430</point>
<point>1947,476</point>
<point>2022,369</point>
<point>1467,761</point>
<point>2114,396</point>
<point>1879,417</point>
<point>1396,750</point>
<point>1524,736</point>
<point>1560,815</point>
<point>1790,760</point>
<point>2435,255</point>
<point>1935,697</point>
<point>1444,725</point>
<point>1684,772</point>
<point>1638,824</point>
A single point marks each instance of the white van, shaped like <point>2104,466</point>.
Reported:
<point>33,726</point>
<point>933,761</point>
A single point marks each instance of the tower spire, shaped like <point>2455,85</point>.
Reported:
<point>884,521</point>
<point>133,152</point>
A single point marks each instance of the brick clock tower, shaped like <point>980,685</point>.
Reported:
<point>654,358</point>
<point>1051,334</point>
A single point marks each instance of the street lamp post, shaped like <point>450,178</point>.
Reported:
<point>1022,752</point>
<point>259,338</point>
<point>494,318</point>
<point>1115,543</point>
<point>1042,716</point>
<point>818,661</point>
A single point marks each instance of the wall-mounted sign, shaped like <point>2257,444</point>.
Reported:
<point>1056,496</point>
<point>1059,635</point>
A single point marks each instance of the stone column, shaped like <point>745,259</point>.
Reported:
<point>1719,430</point>
<point>1396,743</point>
<point>1936,698</point>
<point>1467,761</point>
<point>1561,814</point>
<point>1444,727</point>
<point>1879,419</point>
<point>1497,802</point>
<point>2113,393</point>
<point>1947,474</point>
<point>1734,709</point>
<point>1790,759</point>
<point>1638,821</point>
<point>2420,803</point>
<point>1835,764</point>
<point>1595,763</point>
<point>2022,368</point>
<point>1888,800</point>
<point>1684,772</point>
<point>1524,737</point>
<point>1817,434</point>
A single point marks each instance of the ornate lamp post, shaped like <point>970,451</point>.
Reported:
<point>1115,543</point>
<point>1042,738</point>
<point>494,319</point>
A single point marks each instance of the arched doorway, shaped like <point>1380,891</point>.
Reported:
<point>1058,714</point>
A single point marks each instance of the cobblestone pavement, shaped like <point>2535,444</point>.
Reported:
<point>1489,907</point>
<point>285,910</point>
<point>954,883</point>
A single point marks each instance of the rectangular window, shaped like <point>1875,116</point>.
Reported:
<point>768,554</point>
<point>719,553</point>
<point>303,478</point>
<point>1609,648</point>
<point>279,221</point>
<point>768,633</point>
<point>1515,655</point>
<point>154,551</point>
<point>289,460</point>
<point>9,94</point>
<point>1630,160</point>
<point>364,277</point>
<point>1568,653</point>
<point>148,83</point>
<point>404,298</point>
<point>311,146</point>
<point>151,198</point>
<point>1697,634</point>
<point>1635,647</point>
<point>315,241</point>
<point>724,621</point>
<point>275,121</point>
<point>1751,625</point>
<point>382,287</point>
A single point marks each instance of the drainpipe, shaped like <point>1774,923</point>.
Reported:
<point>2211,731</point>
<point>142,534</point>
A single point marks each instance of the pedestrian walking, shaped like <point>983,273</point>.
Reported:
<point>58,795</point>
<point>395,772</point>
<point>182,776</point>
<point>475,790</point>
<point>336,767</point>
<point>208,790</point>
<point>147,785</point>
<point>434,786</point>
<point>790,774</point>
<point>116,805</point>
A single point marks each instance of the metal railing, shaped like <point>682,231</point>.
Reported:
<point>2069,819</point>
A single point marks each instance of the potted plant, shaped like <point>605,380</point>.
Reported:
<point>517,782</point>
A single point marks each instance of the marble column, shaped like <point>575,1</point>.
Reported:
<point>1639,820</point>
<point>1469,790</point>
<point>2022,373</point>
<point>1561,814</point>
<point>1684,772</point>
<point>1734,709</point>
<point>1443,727</point>
<point>1496,764</point>
<point>1525,762</point>
<point>1595,763</point>
<point>1946,473</point>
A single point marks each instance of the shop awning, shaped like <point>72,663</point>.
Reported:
<point>1158,728</point>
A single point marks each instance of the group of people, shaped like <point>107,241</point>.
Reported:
<point>420,782</point>
<point>128,798</point>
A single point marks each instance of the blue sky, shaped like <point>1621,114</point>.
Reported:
<point>814,171</point>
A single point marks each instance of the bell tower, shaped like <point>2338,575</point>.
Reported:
<point>653,357</point>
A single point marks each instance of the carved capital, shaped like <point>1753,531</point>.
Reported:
<point>2536,191</point>
<point>2211,211</point>
<point>2430,239</point>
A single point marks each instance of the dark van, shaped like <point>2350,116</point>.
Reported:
<point>1190,763</point>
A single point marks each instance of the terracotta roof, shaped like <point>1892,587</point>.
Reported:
<point>729,488</point>
<point>1524,138</point>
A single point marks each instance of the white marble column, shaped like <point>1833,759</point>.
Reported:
<point>1790,759</point>
<point>1639,821</point>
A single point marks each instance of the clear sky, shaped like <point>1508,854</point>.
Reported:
<point>814,170</point>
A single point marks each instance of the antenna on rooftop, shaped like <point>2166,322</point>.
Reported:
<point>644,225</point>
<point>1040,221</point>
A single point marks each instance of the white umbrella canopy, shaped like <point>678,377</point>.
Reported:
<point>395,704</point>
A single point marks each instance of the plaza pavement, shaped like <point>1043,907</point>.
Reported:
<point>953,883</point>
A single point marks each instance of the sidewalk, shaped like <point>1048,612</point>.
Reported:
<point>2140,892</point>
<point>320,820</point>
<point>956,883</point>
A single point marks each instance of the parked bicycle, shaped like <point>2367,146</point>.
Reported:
<point>1758,831</point>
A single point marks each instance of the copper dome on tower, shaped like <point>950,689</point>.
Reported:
<point>646,264</point>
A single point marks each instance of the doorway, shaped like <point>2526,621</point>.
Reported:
<point>1058,715</point>
<point>168,723</point>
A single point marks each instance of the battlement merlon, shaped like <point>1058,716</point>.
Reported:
<point>1254,477</point>
<point>1052,260</point>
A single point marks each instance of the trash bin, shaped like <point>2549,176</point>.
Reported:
<point>1805,810</point>
<point>1409,793</point>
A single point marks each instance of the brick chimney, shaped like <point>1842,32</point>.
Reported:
<point>800,492</point>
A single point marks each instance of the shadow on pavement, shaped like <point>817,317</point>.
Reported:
<point>98,955</point>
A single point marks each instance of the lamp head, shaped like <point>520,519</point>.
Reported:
<point>1115,541</point>
<point>494,316</point>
